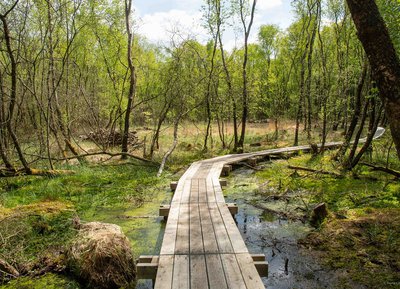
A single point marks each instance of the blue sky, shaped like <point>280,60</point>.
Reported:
<point>157,20</point>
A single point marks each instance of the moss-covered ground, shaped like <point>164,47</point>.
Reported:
<point>47,281</point>
<point>37,213</point>
<point>361,235</point>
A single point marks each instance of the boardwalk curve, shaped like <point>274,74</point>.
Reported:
<point>202,247</point>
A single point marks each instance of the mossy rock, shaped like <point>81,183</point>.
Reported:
<point>101,257</point>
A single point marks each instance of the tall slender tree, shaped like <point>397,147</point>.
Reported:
<point>245,93</point>
<point>384,61</point>
<point>132,78</point>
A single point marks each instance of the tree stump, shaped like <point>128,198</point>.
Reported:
<point>319,213</point>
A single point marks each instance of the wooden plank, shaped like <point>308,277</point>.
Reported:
<point>182,235</point>
<point>181,277</point>
<point>258,257</point>
<point>223,241</point>
<point>219,196</point>
<point>202,191</point>
<point>164,272</point>
<point>210,191</point>
<point>148,259</point>
<point>234,234</point>
<point>209,239</point>
<point>186,192</point>
<point>196,238</point>
<point>198,272</point>
<point>194,191</point>
<point>232,271</point>
<point>168,245</point>
<point>215,272</point>
<point>249,272</point>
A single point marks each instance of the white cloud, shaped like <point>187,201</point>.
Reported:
<point>157,20</point>
<point>159,26</point>
<point>268,4</point>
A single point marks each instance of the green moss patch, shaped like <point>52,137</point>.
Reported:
<point>34,237</point>
<point>366,189</point>
<point>366,244</point>
<point>48,281</point>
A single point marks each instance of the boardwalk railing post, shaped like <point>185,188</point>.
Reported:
<point>223,183</point>
<point>147,267</point>
<point>164,211</point>
<point>173,186</point>
<point>226,169</point>
<point>261,264</point>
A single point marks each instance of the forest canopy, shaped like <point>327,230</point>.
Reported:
<point>72,70</point>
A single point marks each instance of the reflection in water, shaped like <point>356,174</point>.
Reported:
<point>290,267</point>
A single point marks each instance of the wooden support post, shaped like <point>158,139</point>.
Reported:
<point>173,186</point>
<point>223,183</point>
<point>258,257</point>
<point>233,208</point>
<point>147,266</point>
<point>253,161</point>
<point>267,158</point>
<point>261,264</point>
<point>164,211</point>
<point>226,170</point>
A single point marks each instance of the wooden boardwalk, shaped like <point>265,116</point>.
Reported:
<point>202,246</point>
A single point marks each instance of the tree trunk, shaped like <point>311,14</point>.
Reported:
<point>132,79</point>
<point>356,114</point>
<point>172,148</point>
<point>13,93</point>
<point>358,135</point>
<point>245,93</point>
<point>385,64</point>
<point>230,92</point>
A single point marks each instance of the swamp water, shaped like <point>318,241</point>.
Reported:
<point>290,267</point>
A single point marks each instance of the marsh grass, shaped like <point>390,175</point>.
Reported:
<point>90,187</point>
<point>361,236</point>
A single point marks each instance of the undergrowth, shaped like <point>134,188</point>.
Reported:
<point>106,186</point>
<point>361,236</point>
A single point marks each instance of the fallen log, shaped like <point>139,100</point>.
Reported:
<point>382,169</point>
<point>110,154</point>
<point>7,271</point>
<point>34,172</point>
<point>322,172</point>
